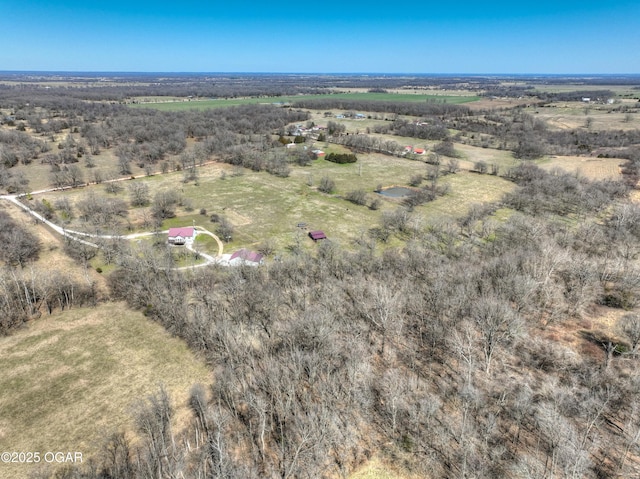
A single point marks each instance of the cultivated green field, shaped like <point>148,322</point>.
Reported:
<point>172,105</point>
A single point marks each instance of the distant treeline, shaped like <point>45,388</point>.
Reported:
<point>399,108</point>
<point>594,95</point>
<point>140,136</point>
<point>529,137</point>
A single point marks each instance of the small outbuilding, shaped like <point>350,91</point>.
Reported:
<point>181,236</point>
<point>317,235</point>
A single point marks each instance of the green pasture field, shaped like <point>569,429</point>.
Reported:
<point>70,379</point>
<point>263,207</point>
<point>227,102</point>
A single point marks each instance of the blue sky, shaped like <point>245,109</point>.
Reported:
<point>315,36</point>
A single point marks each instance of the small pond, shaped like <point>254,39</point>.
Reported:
<point>396,192</point>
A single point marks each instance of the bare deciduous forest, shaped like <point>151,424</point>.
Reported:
<point>472,347</point>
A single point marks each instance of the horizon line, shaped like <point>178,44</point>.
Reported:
<point>132,72</point>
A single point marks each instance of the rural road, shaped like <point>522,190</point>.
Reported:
<point>78,235</point>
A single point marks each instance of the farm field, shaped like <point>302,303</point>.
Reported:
<point>78,372</point>
<point>186,104</point>
<point>569,115</point>
<point>589,167</point>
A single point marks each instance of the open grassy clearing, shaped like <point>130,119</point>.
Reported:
<point>71,378</point>
<point>375,468</point>
<point>466,188</point>
<point>353,126</point>
<point>261,206</point>
<point>570,115</point>
<point>189,104</point>
<point>371,119</point>
<point>486,103</point>
<point>591,168</point>
<point>469,155</point>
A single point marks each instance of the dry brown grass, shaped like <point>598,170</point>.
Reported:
<point>496,103</point>
<point>600,321</point>
<point>572,115</point>
<point>376,468</point>
<point>71,378</point>
<point>635,196</point>
<point>591,168</point>
<point>471,154</point>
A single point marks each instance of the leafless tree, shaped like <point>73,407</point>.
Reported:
<point>497,325</point>
<point>629,326</point>
<point>153,421</point>
<point>139,193</point>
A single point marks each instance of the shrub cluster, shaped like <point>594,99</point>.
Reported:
<point>341,158</point>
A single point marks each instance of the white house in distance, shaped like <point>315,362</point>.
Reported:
<point>181,236</point>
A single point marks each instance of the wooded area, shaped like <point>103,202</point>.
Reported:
<point>472,347</point>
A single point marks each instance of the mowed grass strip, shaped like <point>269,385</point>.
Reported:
<point>70,379</point>
<point>173,105</point>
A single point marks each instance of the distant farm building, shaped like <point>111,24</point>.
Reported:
<point>318,153</point>
<point>244,256</point>
<point>317,235</point>
<point>181,236</point>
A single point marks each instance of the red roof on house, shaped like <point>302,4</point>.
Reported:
<point>316,235</point>
<point>182,232</point>
<point>247,255</point>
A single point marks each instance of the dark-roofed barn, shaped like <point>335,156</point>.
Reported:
<point>317,235</point>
